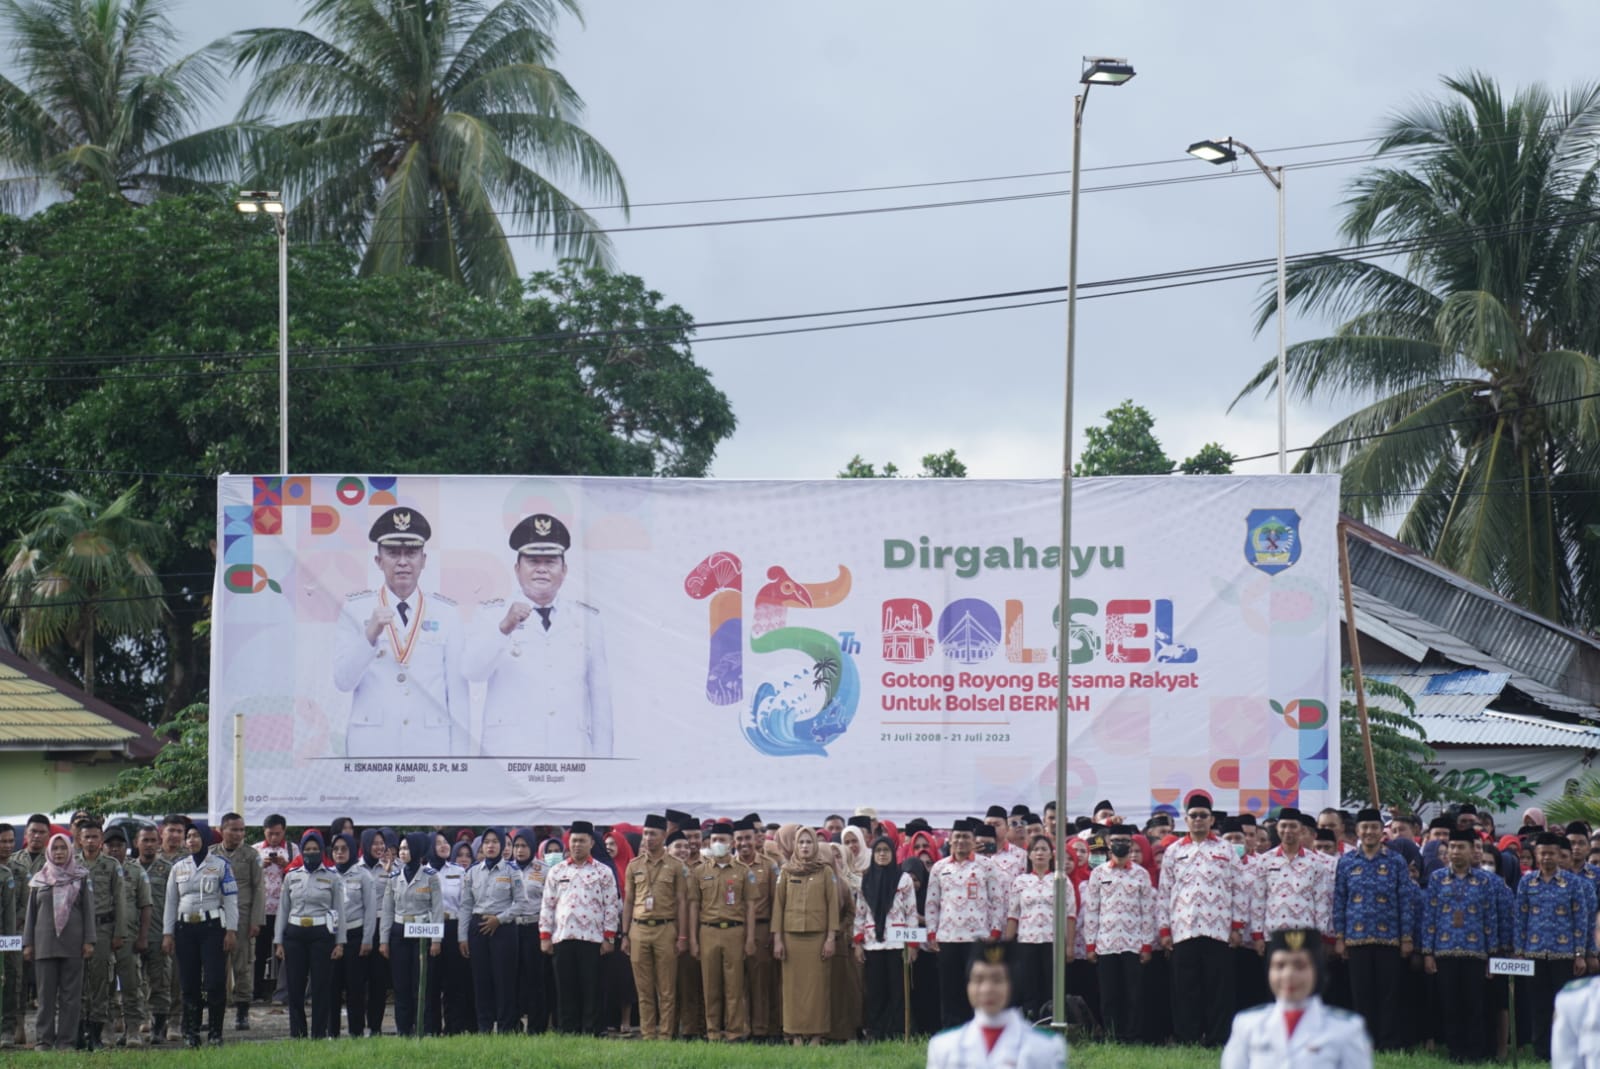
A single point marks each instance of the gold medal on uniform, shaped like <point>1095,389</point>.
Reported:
<point>402,650</point>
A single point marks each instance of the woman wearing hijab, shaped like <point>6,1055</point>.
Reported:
<point>310,935</point>
<point>888,900</point>
<point>200,926</point>
<point>844,981</point>
<point>348,985</point>
<point>530,967</point>
<point>619,994</point>
<point>924,969</point>
<point>412,896</point>
<point>491,900</point>
<point>375,846</point>
<point>805,917</point>
<point>921,845</point>
<point>58,936</point>
<point>449,1007</point>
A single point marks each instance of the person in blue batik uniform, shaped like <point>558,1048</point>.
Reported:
<point>1551,928</point>
<point>1375,910</point>
<point>1459,930</point>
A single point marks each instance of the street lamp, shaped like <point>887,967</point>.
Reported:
<point>1097,70</point>
<point>270,202</point>
<point>1226,150</point>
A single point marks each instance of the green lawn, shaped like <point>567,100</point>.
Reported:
<point>485,1052</point>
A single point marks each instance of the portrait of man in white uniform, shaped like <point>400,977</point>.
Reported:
<point>542,656</point>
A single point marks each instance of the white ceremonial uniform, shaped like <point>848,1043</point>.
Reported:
<point>1326,1038</point>
<point>410,698</point>
<point>1575,1038</point>
<point>1020,1046</point>
<point>549,693</point>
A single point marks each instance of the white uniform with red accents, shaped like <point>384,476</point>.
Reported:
<point>1203,893</point>
<point>965,904</point>
<point>1119,910</point>
<point>1296,892</point>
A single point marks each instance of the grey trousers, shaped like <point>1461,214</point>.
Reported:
<point>60,982</point>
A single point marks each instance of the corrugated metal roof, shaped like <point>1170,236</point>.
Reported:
<point>1507,729</point>
<point>36,713</point>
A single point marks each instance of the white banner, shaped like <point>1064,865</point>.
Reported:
<point>1512,778</point>
<point>542,649</point>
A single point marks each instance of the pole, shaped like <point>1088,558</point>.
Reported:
<point>238,763</point>
<point>422,987</point>
<point>1064,614</point>
<point>905,966</point>
<point>1355,665</point>
<point>283,344</point>
<point>1283,344</point>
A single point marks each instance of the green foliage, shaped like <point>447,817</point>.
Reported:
<point>1583,804</point>
<point>1211,460</point>
<point>175,782</point>
<point>1476,358</point>
<point>99,99</point>
<point>944,465</point>
<point>1399,751</point>
<point>411,125</point>
<point>106,305</point>
<point>1126,445</point>
<point>81,571</point>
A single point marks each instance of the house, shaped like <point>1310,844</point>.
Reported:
<point>1509,701</point>
<point>57,742</point>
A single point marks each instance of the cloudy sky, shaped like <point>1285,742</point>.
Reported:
<point>700,99</point>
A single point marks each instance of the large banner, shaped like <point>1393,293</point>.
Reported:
<point>441,649</point>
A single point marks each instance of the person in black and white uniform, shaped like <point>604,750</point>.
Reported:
<point>310,935</point>
<point>200,927</point>
<point>361,903</point>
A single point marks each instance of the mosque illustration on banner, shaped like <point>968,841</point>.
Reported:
<point>906,638</point>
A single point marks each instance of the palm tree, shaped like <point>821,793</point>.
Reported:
<point>421,120</point>
<point>97,101</point>
<point>82,571</point>
<point>1475,356</point>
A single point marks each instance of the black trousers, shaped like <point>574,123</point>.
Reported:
<point>954,1009</point>
<point>530,980</point>
<point>1202,991</point>
<point>405,956</point>
<point>1034,977</point>
<point>1376,975</point>
<point>1460,987</point>
<point>1550,975</point>
<point>494,976</point>
<point>883,983</point>
<point>347,986</point>
<point>263,960</point>
<point>1120,978</point>
<point>201,969</point>
<point>377,975</point>
<point>449,1010</point>
<point>307,955</point>
<point>578,987</point>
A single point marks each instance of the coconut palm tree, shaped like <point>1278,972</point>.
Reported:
<point>419,121</point>
<point>96,98</point>
<point>1474,355</point>
<point>82,571</point>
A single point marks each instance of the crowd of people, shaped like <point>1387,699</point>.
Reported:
<point>748,931</point>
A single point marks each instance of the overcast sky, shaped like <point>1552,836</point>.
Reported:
<point>724,99</point>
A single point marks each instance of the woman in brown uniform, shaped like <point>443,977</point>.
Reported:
<point>57,936</point>
<point>844,997</point>
<point>805,916</point>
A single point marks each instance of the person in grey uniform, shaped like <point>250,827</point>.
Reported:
<point>492,898</point>
<point>310,934</point>
<point>58,936</point>
<point>200,926</point>
<point>543,656</point>
<point>349,983</point>
<point>397,650</point>
<point>413,896</point>
<point>530,960</point>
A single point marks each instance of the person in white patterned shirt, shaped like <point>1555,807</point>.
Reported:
<point>577,924</point>
<point>964,908</point>
<point>1119,921</point>
<point>1030,922</point>
<point>1202,913</point>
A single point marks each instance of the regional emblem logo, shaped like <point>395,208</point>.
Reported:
<point>1272,539</point>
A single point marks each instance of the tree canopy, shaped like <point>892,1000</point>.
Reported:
<point>1127,445</point>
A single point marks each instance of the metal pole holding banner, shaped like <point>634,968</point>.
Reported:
<point>1355,666</point>
<point>238,763</point>
<point>905,968</point>
<point>424,933</point>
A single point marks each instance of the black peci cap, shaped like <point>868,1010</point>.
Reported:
<point>656,821</point>
<point>400,527</point>
<point>540,535</point>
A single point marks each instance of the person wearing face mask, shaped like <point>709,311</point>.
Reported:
<point>577,926</point>
<point>310,935</point>
<point>200,924</point>
<point>491,899</point>
<point>413,896</point>
<point>722,924</point>
<point>964,909</point>
<point>1030,923</point>
<point>1201,914</point>
<point>1375,908</point>
<point>997,1034</point>
<point>348,984</point>
<point>1249,977</point>
<point>1119,921</point>
<point>1296,1030</point>
<point>58,936</point>
<point>448,1009</point>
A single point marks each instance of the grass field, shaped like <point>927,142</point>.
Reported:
<point>485,1052</point>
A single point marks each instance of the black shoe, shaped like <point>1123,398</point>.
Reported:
<point>190,1039</point>
<point>95,1029</point>
<point>214,1039</point>
<point>241,1017</point>
<point>158,1029</point>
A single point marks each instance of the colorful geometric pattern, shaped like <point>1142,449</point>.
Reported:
<point>240,573</point>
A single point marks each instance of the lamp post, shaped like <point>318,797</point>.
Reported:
<point>1097,70</point>
<point>270,202</point>
<point>1226,150</point>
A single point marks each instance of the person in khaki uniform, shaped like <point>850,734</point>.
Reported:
<point>154,963</point>
<point>129,1008</point>
<point>245,861</point>
<point>655,928</point>
<point>722,927</point>
<point>12,909</point>
<point>691,1003</point>
<point>110,921</point>
<point>760,971</point>
<point>805,918</point>
<point>26,863</point>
